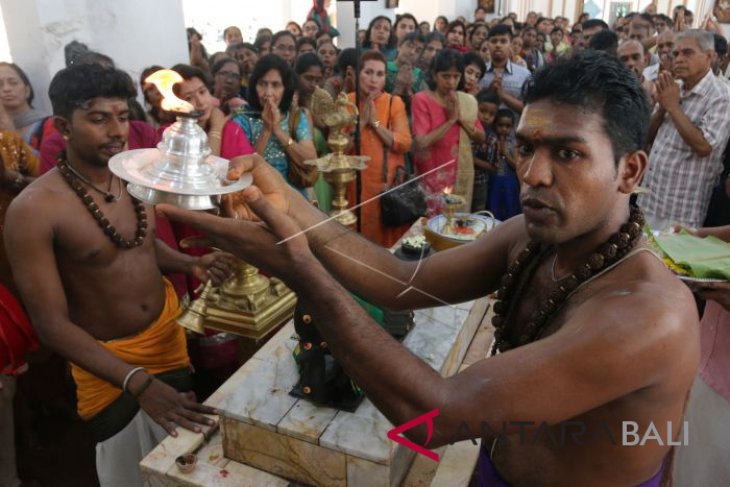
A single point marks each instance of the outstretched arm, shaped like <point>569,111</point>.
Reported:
<point>364,268</point>
<point>588,367</point>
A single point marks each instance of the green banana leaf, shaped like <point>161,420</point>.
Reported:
<point>707,257</point>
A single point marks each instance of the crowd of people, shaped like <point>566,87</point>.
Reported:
<point>443,104</point>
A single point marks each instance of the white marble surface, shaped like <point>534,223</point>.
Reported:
<point>257,394</point>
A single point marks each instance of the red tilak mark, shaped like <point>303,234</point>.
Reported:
<point>224,473</point>
<point>424,418</point>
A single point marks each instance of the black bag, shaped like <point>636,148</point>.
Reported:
<point>406,204</point>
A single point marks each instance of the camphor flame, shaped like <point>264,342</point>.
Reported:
<point>448,190</point>
<point>164,80</point>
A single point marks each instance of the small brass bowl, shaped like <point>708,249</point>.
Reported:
<point>186,463</point>
<point>481,223</point>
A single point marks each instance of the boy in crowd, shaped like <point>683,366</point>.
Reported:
<point>484,154</point>
<point>504,188</point>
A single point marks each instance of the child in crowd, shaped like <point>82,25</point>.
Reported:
<point>503,187</point>
<point>484,154</point>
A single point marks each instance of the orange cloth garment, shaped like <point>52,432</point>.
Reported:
<point>161,347</point>
<point>390,111</point>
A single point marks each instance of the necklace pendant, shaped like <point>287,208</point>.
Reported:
<point>109,198</point>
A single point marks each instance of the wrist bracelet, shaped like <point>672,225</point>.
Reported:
<point>144,387</point>
<point>129,376</point>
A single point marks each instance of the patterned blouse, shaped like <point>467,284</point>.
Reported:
<point>274,154</point>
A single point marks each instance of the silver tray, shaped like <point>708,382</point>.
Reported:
<point>135,167</point>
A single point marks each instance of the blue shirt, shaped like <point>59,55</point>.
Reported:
<point>513,79</point>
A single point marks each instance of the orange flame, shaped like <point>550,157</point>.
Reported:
<point>164,80</point>
<point>448,189</point>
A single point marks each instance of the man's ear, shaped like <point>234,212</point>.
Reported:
<point>631,169</point>
<point>63,126</point>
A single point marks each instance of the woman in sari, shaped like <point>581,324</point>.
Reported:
<point>281,132</point>
<point>385,138</point>
<point>444,125</point>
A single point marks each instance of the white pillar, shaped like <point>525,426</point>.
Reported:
<point>135,33</point>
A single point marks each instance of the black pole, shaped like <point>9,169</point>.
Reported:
<point>358,180</point>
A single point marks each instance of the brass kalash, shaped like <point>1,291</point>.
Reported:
<point>338,169</point>
<point>182,172</point>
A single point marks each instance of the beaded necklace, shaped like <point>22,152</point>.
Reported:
<point>74,181</point>
<point>515,279</point>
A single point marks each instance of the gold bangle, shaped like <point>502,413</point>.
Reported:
<point>290,142</point>
<point>214,134</point>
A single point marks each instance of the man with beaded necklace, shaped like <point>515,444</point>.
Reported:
<point>88,268</point>
<point>591,329</point>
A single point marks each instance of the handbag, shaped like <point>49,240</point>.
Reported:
<point>404,205</point>
<point>301,177</point>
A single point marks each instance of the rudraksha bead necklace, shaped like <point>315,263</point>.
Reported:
<point>519,273</point>
<point>139,235</point>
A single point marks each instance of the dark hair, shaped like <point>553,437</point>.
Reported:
<point>500,30</point>
<point>435,36</point>
<point>218,65</point>
<point>414,37</point>
<point>557,29</point>
<point>231,50</point>
<point>367,43</point>
<point>322,33</point>
<point>24,78</point>
<point>475,26</point>
<point>594,23</point>
<point>93,57</point>
<point>600,83</point>
<point>605,40</point>
<point>474,58</point>
<point>225,31</point>
<point>306,40</point>
<point>453,25</point>
<point>288,79</point>
<point>72,50</point>
<point>528,29</point>
<point>541,19</point>
<point>445,60</point>
<point>647,17</point>
<point>264,31</point>
<point>72,87</point>
<point>720,45</point>
<point>299,27</point>
<point>480,8</point>
<point>347,59</point>
<point>189,72</point>
<point>405,16</point>
<point>260,41</point>
<point>306,61</point>
<point>283,33</point>
<point>505,113</point>
<point>688,12</point>
<point>488,96</point>
<point>440,17</point>
<point>191,31</point>
<point>668,20</point>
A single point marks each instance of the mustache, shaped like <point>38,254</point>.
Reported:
<point>533,199</point>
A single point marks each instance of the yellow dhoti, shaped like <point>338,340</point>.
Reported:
<point>161,347</point>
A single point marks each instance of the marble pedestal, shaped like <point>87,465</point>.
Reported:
<point>264,427</point>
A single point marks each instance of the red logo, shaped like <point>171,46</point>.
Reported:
<point>427,418</point>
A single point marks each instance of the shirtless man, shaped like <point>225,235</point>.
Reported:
<point>96,296</point>
<point>623,347</point>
